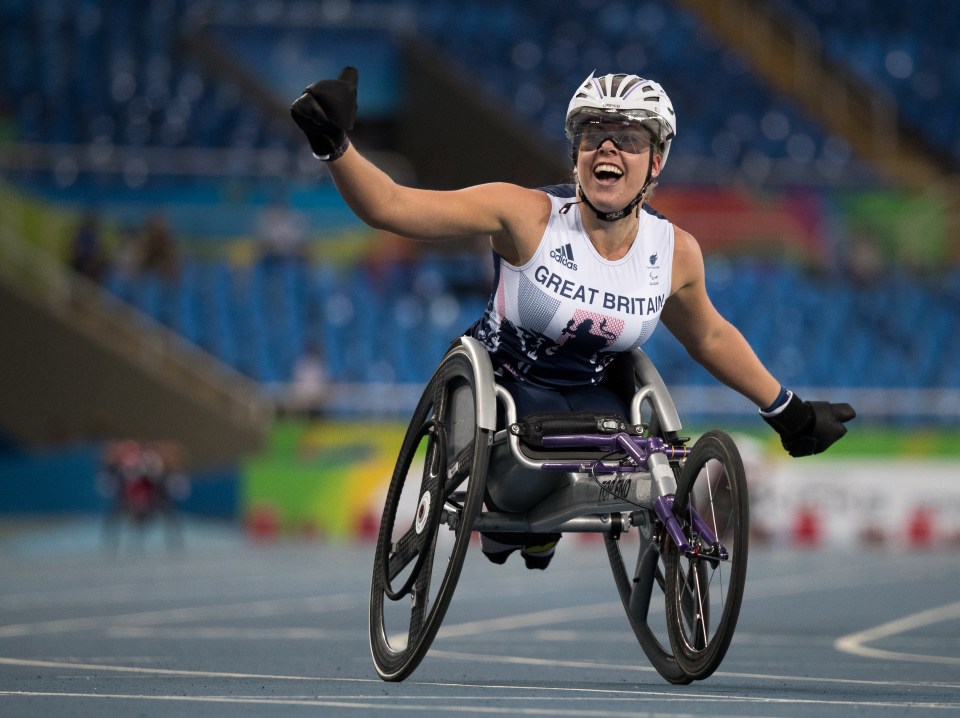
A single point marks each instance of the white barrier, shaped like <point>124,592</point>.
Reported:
<point>901,503</point>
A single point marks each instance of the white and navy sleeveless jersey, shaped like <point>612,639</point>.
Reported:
<point>561,318</point>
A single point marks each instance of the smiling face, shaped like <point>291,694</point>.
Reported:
<point>613,160</point>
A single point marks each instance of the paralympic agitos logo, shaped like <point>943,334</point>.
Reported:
<point>564,255</point>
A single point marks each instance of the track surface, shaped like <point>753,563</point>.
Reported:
<point>226,628</point>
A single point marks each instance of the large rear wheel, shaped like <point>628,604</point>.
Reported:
<point>434,496</point>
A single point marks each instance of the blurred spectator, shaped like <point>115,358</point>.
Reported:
<point>281,232</point>
<point>158,252</point>
<point>126,258</point>
<point>143,480</point>
<point>309,383</point>
<point>86,251</point>
<point>864,259</point>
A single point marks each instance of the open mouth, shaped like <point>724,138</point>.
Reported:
<point>607,174</point>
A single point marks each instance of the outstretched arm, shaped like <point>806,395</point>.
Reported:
<point>805,427</point>
<point>709,338</point>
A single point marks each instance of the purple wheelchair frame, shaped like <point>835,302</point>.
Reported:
<point>638,450</point>
<point>642,454</point>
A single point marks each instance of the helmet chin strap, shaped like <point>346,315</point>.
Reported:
<point>620,213</point>
<point>610,216</point>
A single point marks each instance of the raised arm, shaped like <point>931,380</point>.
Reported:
<point>422,214</point>
<point>510,214</point>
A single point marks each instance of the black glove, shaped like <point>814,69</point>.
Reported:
<point>809,427</point>
<point>325,111</point>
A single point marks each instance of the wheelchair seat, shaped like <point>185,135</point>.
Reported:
<point>516,485</point>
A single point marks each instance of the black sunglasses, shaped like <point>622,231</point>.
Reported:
<point>626,137</point>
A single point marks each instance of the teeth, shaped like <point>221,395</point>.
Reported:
<point>613,169</point>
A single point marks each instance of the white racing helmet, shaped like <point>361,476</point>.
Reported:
<point>623,97</point>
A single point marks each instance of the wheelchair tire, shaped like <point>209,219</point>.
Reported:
<point>703,594</point>
<point>636,594</point>
<point>412,585</point>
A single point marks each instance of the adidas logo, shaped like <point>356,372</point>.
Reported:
<point>564,255</point>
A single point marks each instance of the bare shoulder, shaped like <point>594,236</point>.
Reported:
<point>517,202</point>
<point>685,246</point>
<point>511,203</point>
<point>687,260</point>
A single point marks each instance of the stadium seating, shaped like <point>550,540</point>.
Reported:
<point>729,124</point>
<point>908,49</point>
<point>824,332</point>
<point>129,82</point>
<point>120,69</point>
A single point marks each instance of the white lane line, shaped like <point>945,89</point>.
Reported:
<point>227,633</point>
<point>386,705</point>
<point>824,580</point>
<point>543,662</point>
<point>390,703</point>
<point>855,642</point>
<point>528,620</point>
<point>524,690</point>
<point>680,695</point>
<point>271,607</point>
<point>596,665</point>
<point>206,585</point>
<point>33,663</point>
<point>761,588</point>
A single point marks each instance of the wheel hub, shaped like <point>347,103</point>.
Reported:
<point>423,512</point>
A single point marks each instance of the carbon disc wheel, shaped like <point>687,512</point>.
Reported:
<point>434,495</point>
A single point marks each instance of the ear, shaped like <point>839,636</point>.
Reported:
<point>655,164</point>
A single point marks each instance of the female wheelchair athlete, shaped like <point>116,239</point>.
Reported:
<point>552,474</point>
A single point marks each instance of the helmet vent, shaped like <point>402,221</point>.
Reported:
<point>623,85</point>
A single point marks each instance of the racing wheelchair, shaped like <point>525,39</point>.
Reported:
<point>685,508</point>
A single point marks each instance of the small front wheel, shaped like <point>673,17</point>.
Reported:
<point>704,588</point>
<point>637,586</point>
